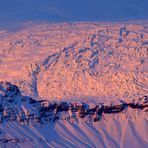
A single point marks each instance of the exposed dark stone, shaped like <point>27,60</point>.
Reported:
<point>113,109</point>
<point>96,119</point>
<point>136,106</point>
<point>9,90</point>
<point>63,106</point>
<point>44,111</point>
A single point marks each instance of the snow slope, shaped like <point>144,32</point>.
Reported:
<point>77,59</point>
<point>24,121</point>
<point>74,85</point>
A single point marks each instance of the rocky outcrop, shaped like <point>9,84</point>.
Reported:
<point>8,90</point>
<point>26,110</point>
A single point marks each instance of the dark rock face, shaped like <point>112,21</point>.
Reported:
<point>9,90</point>
<point>82,110</point>
<point>58,110</point>
<point>143,103</point>
<point>113,109</point>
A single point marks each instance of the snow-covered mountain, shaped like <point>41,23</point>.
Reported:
<point>74,85</point>
<point>24,120</point>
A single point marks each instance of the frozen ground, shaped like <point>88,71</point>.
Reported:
<point>84,65</point>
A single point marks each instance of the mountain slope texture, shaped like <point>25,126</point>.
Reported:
<point>74,85</point>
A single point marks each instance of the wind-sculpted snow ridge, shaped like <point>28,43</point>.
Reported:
<point>25,110</point>
<point>44,123</point>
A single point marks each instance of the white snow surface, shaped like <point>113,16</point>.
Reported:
<point>56,61</point>
<point>75,62</point>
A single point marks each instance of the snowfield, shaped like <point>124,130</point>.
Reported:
<point>74,85</point>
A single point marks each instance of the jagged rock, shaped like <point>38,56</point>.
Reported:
<point>63,106</point>
<point>113,109</point>
<point>9,90</point>
<point>41,111</point>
